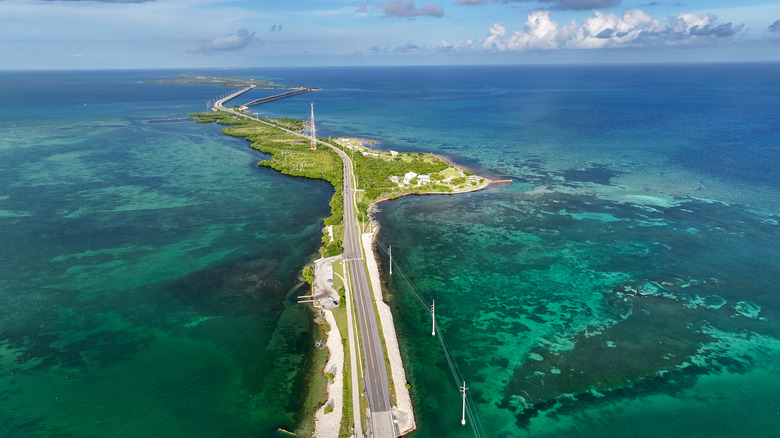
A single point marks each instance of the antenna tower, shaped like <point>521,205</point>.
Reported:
<point>313,130</point>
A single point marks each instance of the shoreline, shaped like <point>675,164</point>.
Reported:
<point>328,424</point>
<point>404,409</point>
<point>325,424</point>
<point>484,186</point>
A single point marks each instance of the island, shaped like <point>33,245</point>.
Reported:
<point>361,178</point>
<point>192,79</point>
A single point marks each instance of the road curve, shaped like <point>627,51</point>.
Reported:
<point>377,383</point>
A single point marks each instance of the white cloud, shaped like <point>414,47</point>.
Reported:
<point>234,41</point>
<point>560,5</point>
<point>701,25</point>
<point>407,48</point>
<point>495,39</point>
<point>406,9</point>
<point>460,45</point>
<point>108,1</point>
<point>635,29</point>
<point>609,30</point>
<point>540,33</point>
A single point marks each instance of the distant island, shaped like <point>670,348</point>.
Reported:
<point>191,79</point>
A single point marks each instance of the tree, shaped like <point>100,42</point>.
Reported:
<point>308,274</point>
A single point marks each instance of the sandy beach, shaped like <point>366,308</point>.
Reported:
<point>328,425</point>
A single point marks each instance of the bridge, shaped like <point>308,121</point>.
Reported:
<point>219,103</point>
<point>278,96</point>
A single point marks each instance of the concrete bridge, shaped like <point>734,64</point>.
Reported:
<point>278,96</point>
<point>219,104</point>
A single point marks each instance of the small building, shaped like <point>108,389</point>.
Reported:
<point>409,176</point>
<point>424,179</point>
<point>394,153</point>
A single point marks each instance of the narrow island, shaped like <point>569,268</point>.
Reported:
<point>191,79</point>
<point>378,176</point>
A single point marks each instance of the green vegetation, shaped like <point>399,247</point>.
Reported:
<point>340,314</point>
<point>289,155</point>
<point>308,274</point>
<point>332,242</point>
<point>347,419</point>
<point>380,174</point>
<point>342,297</point>
<point>332,248</point>
<point>375,169</point>
<point>316,390</point>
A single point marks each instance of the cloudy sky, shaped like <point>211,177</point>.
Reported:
<point>86,34</point>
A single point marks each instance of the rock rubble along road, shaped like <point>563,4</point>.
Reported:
<point>377,382</point>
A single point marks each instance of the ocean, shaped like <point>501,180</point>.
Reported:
<point>624,284</point>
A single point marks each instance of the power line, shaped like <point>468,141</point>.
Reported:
<point>469,408</point>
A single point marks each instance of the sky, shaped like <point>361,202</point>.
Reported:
<point>112,34</point>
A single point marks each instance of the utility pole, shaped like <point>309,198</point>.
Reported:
<point>463,416</point>
<point>433,318</point>
<point>390,253</point>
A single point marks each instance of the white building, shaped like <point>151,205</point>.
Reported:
<point>409,176</point>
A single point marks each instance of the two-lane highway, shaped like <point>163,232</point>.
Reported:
<point>376,381</point>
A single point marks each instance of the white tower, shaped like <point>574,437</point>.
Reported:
<point>313,130</point>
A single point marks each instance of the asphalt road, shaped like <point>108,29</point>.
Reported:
<point>377,383</point>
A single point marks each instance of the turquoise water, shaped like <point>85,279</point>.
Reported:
<point>589,318</point>
<point>148,266</point>
<point>625,284</point>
